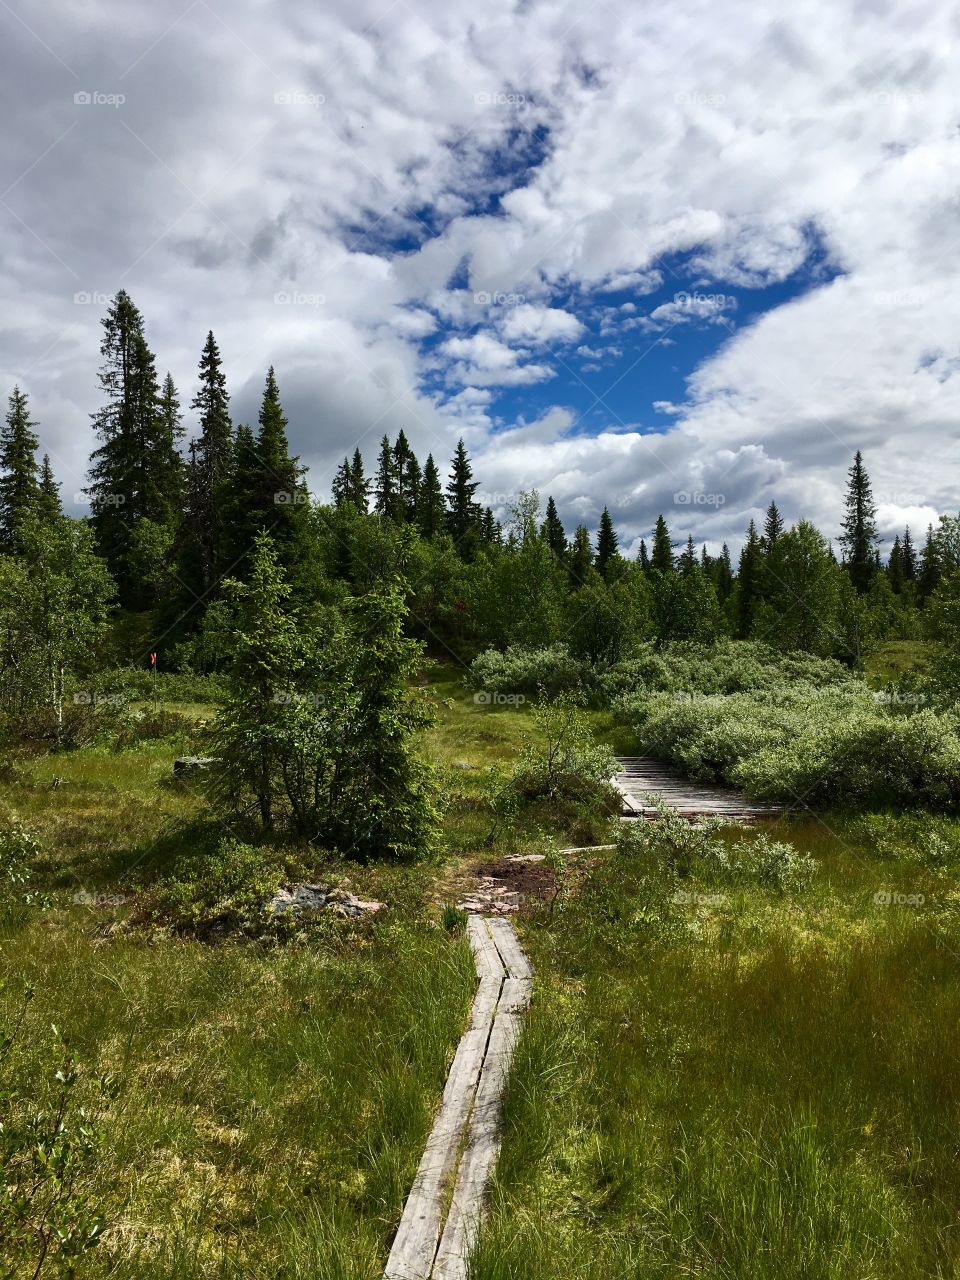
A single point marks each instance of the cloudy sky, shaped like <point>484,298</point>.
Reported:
<point>674,257</point>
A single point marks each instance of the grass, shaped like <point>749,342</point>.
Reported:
<point>744,1083</point>
<point>767,1091</point>
<point>274,1100</point>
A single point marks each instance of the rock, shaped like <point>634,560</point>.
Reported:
<point>190,764</point>
<point>306,900</point>
<point>526,857</point>
<point>465,764</point>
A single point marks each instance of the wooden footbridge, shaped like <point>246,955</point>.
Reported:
<point>641,777</point>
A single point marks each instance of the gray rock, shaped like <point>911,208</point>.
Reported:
<point>190,764</point>
<point>307,900</point>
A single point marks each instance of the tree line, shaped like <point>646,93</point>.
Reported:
<point>170,522</point>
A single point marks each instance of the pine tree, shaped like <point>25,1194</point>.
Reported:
<point>385,485</point>
<point>49,507</point>
<point>773,526</point>
<point>722,574</point>
<point>931,570</point>
<point>19,482</point>
<point>212,461</point>
<point>895,566</point>
<point>491,531</point>
<point>749,582</point>
<point>342,487</point>
<point>135,471</point>
<point>581,557</point>
<point>688,558</point>
<point>431,512</point>
<point>553,531</point>
<point>411,482</point>
<point>607,542</point>
<point>643,557</point>
<point>662,557</point>
<point>359,484</point>
<point>463,514</point>
<point>268,494</point>
<point>909,557</point>
<point>859,527</point>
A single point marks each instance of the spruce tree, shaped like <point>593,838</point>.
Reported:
<point>607,543</point>
<point>212,460</point>
<point>49,506</point>
<point>431,512</point>
<point>662,557</point>
<point>930,571</point>
<point>135,471</point>
<point>773,526</point>
<point>342,488</point>
<point>553,531</point>
<point>411,482</point>
<point>749,582</point>
<point>895,566</point>
<point>688,558</point>
<point>20,492</point>
<point>909,557</point>
<point>385,485</point>
<point>643,557</point>
<point>859,527</point>
<point>581,557</point>
<point>463,514</point>
<point>359,484</point>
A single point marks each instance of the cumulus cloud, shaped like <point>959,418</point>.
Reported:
<point>411,214</point>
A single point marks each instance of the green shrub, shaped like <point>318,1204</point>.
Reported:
<point>529,672</point>
<point>221,891</point>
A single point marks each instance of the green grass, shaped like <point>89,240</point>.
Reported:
<point>769,1092</point>
<point>274,1099</point>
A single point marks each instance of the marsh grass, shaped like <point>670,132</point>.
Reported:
<point>767,1091</point>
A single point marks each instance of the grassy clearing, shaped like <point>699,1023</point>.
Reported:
<point>766,1091</point>
<point>273,1099</point>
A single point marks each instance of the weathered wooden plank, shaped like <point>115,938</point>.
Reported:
<point>485,953</point>
<point>511,953</point>
<point>480,1156</point>
<point>641,778</point>
<point>415,1244</point>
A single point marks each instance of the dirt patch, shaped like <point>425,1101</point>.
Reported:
<point>503,886</point>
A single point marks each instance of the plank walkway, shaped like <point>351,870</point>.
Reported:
<point>641,776</point>
<point>431,1241</point>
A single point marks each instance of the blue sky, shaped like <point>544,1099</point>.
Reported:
<point>681,258</point>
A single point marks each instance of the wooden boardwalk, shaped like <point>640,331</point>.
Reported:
<point>642,776</point>
<point>432,1240</point>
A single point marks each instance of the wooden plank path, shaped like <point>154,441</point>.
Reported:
<point>431,1240</point>
<point>641,776</point>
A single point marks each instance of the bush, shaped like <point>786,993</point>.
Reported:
<point>220,891</point>
<point>49,1145</point>
<point>551,670</point>
<point>18,848</point>
<point>792,740</point>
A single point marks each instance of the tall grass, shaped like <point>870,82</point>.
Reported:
<point>771,1092</point>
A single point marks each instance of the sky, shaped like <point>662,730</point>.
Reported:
<point>682,258</point>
